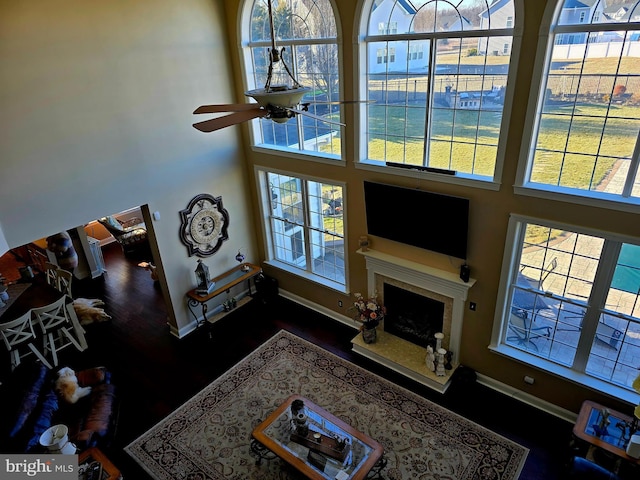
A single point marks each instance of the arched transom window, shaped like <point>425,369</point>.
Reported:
<point>307,32</point>
<point>437,73</point>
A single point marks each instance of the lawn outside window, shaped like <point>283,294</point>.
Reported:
<point>585,115</point>
<point>438,84</point>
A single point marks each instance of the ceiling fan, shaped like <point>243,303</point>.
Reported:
<point>278,103</point>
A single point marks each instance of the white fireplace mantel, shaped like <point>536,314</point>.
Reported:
<point>427,278</point>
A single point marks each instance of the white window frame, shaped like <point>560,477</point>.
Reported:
<point>299,151</point>
<point>523,186</point>
<point>510,264</point>
<point>485,182</point>
<point>302,268</point>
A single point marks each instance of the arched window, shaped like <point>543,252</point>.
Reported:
<point>585,118</point>
<point>437,73</point>
<point>307,32</point>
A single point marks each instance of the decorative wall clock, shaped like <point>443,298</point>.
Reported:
<point>204,225</point>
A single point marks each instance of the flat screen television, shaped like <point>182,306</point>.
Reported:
<point>416,217</point>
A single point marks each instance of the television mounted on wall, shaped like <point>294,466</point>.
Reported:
<point>416,217</point>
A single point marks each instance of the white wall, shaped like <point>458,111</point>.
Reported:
<point>97,102</point>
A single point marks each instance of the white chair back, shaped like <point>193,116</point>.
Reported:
<point>17,335</point>
<point>64,281</point>
<point>57,327</point>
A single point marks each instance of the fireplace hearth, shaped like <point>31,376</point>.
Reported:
<point>443,294</point>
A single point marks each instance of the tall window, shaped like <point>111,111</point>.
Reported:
<point>587,118</point>
<point>307,31</point>
<point>415,116</point>
<point>572,303</point>
<point>304,222</point>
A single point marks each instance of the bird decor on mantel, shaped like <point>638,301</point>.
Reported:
<point>278,103</point>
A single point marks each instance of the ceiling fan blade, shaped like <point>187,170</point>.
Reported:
<point>312,115</point>
<point>228,120</point>
<point>231,107</point>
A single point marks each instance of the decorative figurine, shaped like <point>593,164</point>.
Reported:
<point>447,360</point>
<point>205,285</point>
<point>431,359</point>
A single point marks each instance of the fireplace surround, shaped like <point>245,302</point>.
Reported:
<point>436,286</point>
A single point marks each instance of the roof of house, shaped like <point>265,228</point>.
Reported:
<point>406,6</point>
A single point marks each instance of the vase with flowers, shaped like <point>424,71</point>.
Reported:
<point>369,313</point>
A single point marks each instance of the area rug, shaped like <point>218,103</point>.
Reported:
<point>209,436</point>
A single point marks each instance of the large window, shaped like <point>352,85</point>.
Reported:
<point>304,222</point>
<point>307,32</point>
<point>587,116</point>
<point>572,303</point>
<point>438,101</point>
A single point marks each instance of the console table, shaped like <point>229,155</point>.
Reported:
<point>223,283</point>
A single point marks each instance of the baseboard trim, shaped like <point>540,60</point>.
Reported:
<point>527,398</point>
<point>482,379</point>
<point>348,321</point>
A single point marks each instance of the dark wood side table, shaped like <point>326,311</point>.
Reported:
<point>93,457</point>
<point>612,441</point>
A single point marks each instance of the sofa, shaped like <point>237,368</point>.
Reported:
<point>31,406</point>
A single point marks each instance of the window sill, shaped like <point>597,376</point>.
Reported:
<point>595,199</point>
<point>327,158</point>
<point>564,373</point>
<point>325,282</point>
<point>486,183</point>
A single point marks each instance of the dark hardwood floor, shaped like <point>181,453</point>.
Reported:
<point>156,372</point>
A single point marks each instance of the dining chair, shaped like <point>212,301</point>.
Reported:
<point>64,281</point>
<point>18,336</point>
<point>57,328</point>
<point>51,274</point>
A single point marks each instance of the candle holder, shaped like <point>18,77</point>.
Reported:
<point>439,337</point>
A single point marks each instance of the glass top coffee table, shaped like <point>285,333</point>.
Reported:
<point>326,448</point>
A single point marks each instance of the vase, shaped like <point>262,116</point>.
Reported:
<point>369,335</point>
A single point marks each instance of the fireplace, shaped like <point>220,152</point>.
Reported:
<point>411,316</point>
<point>402,342</point>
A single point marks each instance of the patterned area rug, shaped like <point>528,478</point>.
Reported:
<point>209,436</point>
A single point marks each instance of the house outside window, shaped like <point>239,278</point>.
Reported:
<point>304,225</point>
<point>307,32</point>
<point>571,304</point>
<point>387,28</point>
<point>414,117</point>
<point>384,55</point>
<point>584,118</point>
<point>416,52</point>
